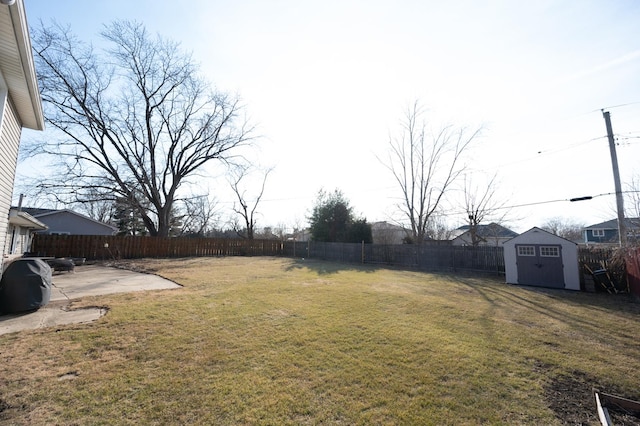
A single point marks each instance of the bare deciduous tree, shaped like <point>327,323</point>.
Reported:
<point>438,228</point>
<point>135,121</point>
<point>280,230</point>
<point>632,197</point>
<point>247,205</point>
<point>481,204</point>
<point>425,166</point>
<point>200,216</point>
<point>565,228</point>
<point>100,210</point>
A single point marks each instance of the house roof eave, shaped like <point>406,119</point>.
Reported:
<point>18,68</point>
<point>25,220</point>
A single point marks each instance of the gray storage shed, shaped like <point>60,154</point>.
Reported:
<point>539,258</point>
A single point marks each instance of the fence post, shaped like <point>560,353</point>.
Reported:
<point>362,251</point>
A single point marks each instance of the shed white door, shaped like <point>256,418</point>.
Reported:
<point>540,265</point>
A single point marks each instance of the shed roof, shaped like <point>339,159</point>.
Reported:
<point>538,231</point>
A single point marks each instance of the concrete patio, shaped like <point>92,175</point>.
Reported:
<point>87,280</point>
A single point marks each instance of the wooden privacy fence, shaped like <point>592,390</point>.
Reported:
<point>632,260</point>
<point>428,257</point>
<point>97,247</point>
<point>602,269</point>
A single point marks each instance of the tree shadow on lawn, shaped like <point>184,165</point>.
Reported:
<point>622,302</point>
<point>488,285</point>
<point>568,393</point>
<point>594,303</point>
<point>325,267</point>
<point>328,267</point>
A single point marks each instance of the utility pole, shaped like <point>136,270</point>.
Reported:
<point>622,232</point>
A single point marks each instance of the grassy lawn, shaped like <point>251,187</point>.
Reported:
<point>278,341</point>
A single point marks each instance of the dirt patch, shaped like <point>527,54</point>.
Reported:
<point>571,398</point>
<point>7,411</point>
<point>131,265</point>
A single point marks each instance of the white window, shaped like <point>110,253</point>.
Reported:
<point>526,251</point>
<point>549,251</point>
<point>598,232</point>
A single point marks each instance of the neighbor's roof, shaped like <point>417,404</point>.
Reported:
<point>386,226</point>
<point>17,66</point>
<point>40,213</point>
<point>33,211</point>
<point>492,230</point>
<point>630,222</point>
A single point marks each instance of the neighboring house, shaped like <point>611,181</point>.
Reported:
<point>20,102</point>
<point>67,222</point>
<point>607,232</point>
<point>302,235</point>
<point>22,226</point>
<point>387,233</point>
<point>489,235</point>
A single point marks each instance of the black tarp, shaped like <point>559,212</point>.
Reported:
<point>25,286</point>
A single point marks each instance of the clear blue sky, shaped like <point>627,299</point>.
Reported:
<point>327,83</point>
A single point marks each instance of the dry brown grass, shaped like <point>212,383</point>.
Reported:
<point>280,341</point>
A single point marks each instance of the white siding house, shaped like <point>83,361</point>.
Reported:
<point>20,103</point>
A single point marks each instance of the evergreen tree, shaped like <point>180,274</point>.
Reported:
<point>332,220</point>
<point>126,219</point>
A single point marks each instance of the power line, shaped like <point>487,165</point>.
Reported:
<point>541,153</point>
<point>573,145</point>
<point>616,106</point>
<point>537,203</point>
<point>584,198</point>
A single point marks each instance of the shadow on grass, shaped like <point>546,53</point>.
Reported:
<point>328,267</point>
<point>528,297</point>
<point>622,302</point>
<point>489,286</point>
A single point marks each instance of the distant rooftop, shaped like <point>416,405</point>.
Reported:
<point>491,230</point>
<point>630,222</point>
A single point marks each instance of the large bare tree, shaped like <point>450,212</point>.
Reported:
<point>425,165</point>
<point>133,121</point>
